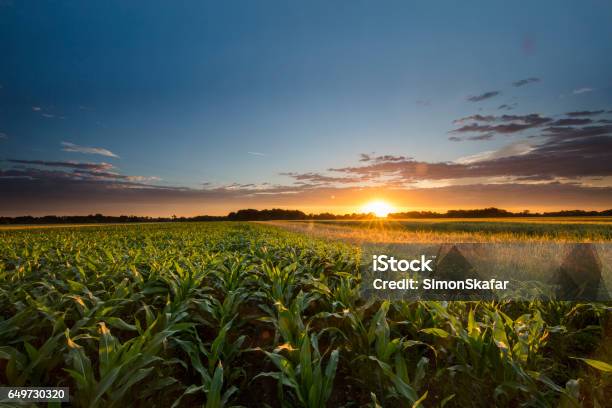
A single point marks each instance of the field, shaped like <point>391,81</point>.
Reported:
<point>269,314</point>
<point>571,229</point>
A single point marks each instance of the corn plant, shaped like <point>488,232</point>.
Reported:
<point>309,380</point>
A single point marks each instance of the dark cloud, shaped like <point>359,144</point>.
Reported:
<point>566,152</point>
<point>571,149</point>
<point>317,178</point>
<point>48,196</point>
<point>486,136</point>
<point>66,164</point>
<point>75,174</point>
<point>504,128</point>
<point>477,117</point>
<point>506,106</point>
<point>384,158</point>
<point>504,124</point>
<point>532,118</point>
<point>571,122</point>
<point>535,178</point>
<point>584,113</point>
<point>567,132</point>
<point>482,97</point>
<point>522,82</point>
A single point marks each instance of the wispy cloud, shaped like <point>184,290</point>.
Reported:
<point>582,90</point>
<point>514,149</point>
<point>36,108</point>
<point>364,157</point>
<point>561,152</point>
<point>504,124</point>
<point>584,113</point>
<point>318,179</point>
<point>523,82</point>
<point>68,164</point>
<point>71,147</point>
<point>572,122</point>
<point>507,106</point>
<point>482,97</point>
<point>256,153</point>
<point>3,135</point>
<point>69,170</point>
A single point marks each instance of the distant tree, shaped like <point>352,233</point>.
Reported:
<point>280,214</point>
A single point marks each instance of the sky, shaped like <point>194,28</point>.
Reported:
<point>160,108</point>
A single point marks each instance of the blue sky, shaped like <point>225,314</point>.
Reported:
<point>245,91</point>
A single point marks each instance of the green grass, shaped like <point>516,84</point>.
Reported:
<point>222,314</point>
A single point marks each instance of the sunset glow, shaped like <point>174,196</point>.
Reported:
<point>379,208</point>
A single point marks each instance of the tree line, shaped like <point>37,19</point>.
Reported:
<point>281,214</point>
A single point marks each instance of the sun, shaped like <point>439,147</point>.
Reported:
<point>379,208</point>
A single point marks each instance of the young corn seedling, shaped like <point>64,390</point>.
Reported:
<point>121,365</point>
<point>288,320</point>
<point>213,376</point>
<point>310,382</point>
<point>33,366</point>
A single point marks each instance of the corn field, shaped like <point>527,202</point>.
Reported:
<point>239,314</point>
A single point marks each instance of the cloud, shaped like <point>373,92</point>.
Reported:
<point>256,153</point>
<point>36,108</point>
<point>3,135</point>
<point>582,90</point>
<point>506,106</point>
<point>483,96</point>
<point>385,158</point>
<point>489,125</point>
<point>108,179</point>
<point>522,82</point>
<point>504,124</point>
<point>67,164</point>
<point>317,178</point>
<point>562,154</point>
<point>71,147</point>
<point>567,132</point>
<point>514,149</point>
<point>584,113</point>
<point>571,122</point>
<point>566,152</point>
<point>485,136</point>
<point>477,117</point>
<point>563,161</point>
<point>48,115</point>
<point>73,171</point>
<point>63,197</point>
